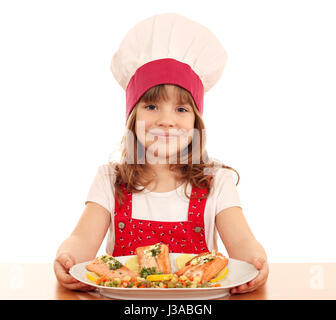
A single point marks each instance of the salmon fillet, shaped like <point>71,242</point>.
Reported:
<point>110,268</point>
<point>205,266</point>
<point>156,256</point>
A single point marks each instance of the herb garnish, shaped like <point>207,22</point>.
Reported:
<point>153,250</point>
<point>156,251</point>
<point>148,271</point>
<point>112,263</point>
<point>115,265</point>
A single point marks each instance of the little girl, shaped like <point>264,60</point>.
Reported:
<point>164,188</point>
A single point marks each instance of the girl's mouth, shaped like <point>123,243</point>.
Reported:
<point>167,135</point>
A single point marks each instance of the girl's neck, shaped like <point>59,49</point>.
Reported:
<point>159,170</point>
<point>162,179</point>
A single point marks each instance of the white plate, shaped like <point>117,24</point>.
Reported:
<point>239,272</point>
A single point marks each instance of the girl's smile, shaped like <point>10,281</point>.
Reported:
<point>172,133</point>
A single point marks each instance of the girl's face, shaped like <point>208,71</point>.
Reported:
<point>166,127</point>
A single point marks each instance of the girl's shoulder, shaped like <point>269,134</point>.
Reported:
<point>222,175</point>
<point>108,170</point>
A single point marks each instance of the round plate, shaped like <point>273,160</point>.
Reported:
<point>239,273</point>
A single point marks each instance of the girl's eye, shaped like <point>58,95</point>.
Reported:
<point>149,107</point>
<point>152,107</point>
<point>183,109</point>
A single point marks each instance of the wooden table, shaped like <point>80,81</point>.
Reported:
<point>290,281</point>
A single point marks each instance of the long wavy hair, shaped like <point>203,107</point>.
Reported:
<point>135,176</point>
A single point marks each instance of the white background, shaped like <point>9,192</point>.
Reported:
<point>63,113</point>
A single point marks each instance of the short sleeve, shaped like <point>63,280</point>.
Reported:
<point>101,190</point>
<point>226,190</point>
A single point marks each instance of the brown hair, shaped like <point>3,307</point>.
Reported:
<point>134,175</point>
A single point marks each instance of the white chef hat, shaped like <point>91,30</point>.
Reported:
<point>168,48</point>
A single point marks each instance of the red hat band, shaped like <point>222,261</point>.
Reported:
<point>163,71</point>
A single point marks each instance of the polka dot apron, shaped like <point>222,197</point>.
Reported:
<point>180,236</point>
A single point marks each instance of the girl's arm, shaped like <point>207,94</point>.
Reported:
<point>88,235</point>
<point>241,244</point>
<point>82,245</point>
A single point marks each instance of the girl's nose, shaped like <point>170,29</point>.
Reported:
<point>165,119</point>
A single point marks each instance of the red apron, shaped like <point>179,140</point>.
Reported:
<point>180,237</point>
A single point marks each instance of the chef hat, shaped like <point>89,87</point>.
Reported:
<point>168,49</point>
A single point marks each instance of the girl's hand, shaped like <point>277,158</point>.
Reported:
<point>62,264</point>
<point>259,280</point>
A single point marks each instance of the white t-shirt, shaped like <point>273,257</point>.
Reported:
<point>166,206</point>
